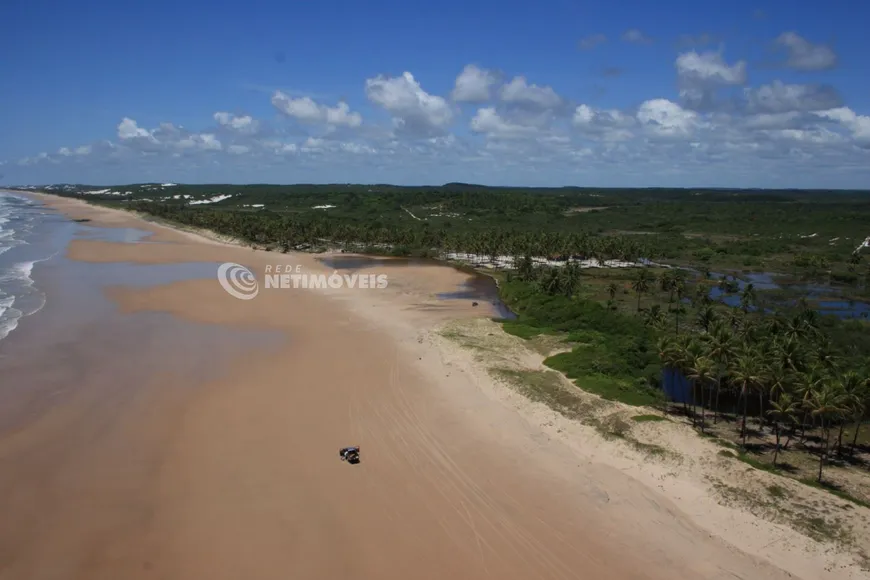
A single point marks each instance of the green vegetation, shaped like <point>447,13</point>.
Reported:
<point>807,234</point>
<point>767,374</point>
<point>648,418</point>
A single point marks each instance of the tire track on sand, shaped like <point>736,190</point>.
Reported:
<point>469,500</point>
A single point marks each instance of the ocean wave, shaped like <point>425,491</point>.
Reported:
<point>18,295</point>
<point>8,316</point>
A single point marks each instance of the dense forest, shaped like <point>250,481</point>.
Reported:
<point>803,232</point>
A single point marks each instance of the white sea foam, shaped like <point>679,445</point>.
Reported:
<point>18,295</point>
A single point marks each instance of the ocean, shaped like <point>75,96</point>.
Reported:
<point>29,234</point>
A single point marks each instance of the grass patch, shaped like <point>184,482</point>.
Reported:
<point>546,387</point>
<point>821,530</point>
<point>648,418</point>
<point>760,465</point>
<point>651,449</point>
<point>837,492</point>
<point>777,491</point>
<point>521,330</point>
<point>606,387</point>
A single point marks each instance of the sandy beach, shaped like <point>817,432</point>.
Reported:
<point>171,431</point>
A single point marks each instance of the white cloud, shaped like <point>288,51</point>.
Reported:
<point>804,55</point>
<point>778,97</point>
<point>709,67</point>
<point>776,134</point>
<point>665,118</point>
<point>858,125</point>
<point>519,92</point>
<point>128,129</point>
<point>701,75</point>
<point>204,141</point>
<point>489,122</point>
<point>307,110</point>
<point>413,109</point>
<point>243,124</point>
<point>606,125</point>
<point>473,85</point>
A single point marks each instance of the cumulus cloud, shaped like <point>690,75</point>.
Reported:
<point>519,92</point>
<point>710,67</point>
<point>606,125</point>
<point>413,109</point>
<point>793,133</point>
<point>778,97</point>
<point>858,125</point>
<point>243,124</point>
<point>307,110</point>
<point>490,123</point>
<point>128,129</point>
<point>700,75</point>
<point>667,119</point>
<point>804,55</point>
<point>473,85</point>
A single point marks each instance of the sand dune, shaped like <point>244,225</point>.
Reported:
<point>235,474</point>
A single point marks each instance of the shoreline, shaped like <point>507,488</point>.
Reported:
<point>394,317</point>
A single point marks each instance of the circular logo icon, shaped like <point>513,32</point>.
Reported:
<point>238,281</point>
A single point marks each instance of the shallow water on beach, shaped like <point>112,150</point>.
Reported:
<point>80,340</point>
<point>34,237</point>
<point>479,287</point>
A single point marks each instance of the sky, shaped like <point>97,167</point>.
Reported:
<point>549,93</point>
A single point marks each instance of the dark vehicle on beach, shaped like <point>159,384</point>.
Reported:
<point>349,454</point>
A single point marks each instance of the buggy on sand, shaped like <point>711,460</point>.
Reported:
<point>349,454</point>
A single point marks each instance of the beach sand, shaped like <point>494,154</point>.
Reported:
<point>172,431</point>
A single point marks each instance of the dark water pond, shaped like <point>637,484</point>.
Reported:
<point>478,288</point>
<point>813,292</point>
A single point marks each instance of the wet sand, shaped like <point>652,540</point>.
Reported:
<point>181,433</point>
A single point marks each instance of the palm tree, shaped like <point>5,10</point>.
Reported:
<point>702,294</point>
<point>784,411</point>
<point>854,399</point>
<point>525,268</point>
<point>612,289</point>
<point>824,355</point>
<point>701,373</point>
<point>550,282</point>
<point>666,283</point>
<point>654,316</point>
<point>827,404</point>
<point>720,348</point>
<point>805,384</point>
<point>706,317</point>
<point>677,310</point>
<point>570,278</point>
<point>745,374</point>
<point>747,297</point>
<point>642,284</point>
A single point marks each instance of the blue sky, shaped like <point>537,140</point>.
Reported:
<point>559,92</point>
